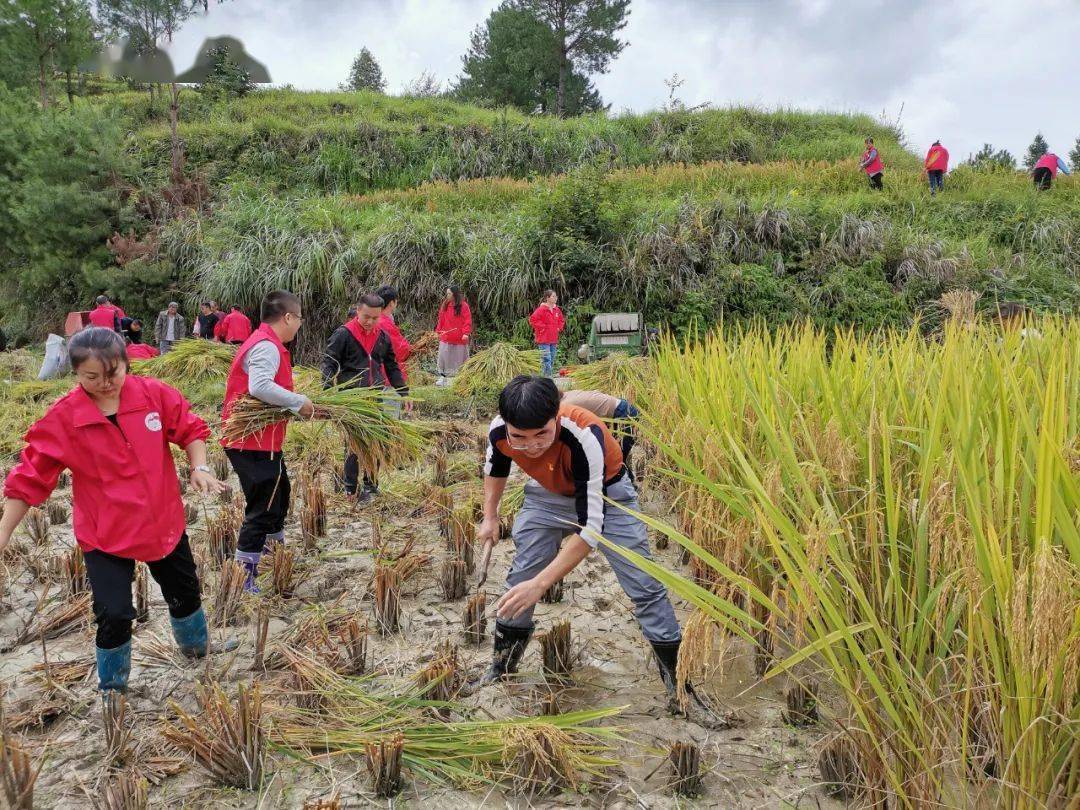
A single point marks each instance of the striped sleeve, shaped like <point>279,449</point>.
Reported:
<point>586,445</point>
<point>497,464</point>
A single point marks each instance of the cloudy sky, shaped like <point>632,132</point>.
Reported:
<point>965,71</point>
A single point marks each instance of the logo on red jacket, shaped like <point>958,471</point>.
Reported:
<point>153,422</point>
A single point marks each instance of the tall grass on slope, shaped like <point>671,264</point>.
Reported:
<point>904,513</point>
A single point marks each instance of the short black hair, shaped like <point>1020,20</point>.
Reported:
<point>372,300</point>
<point>352,313</point>
<point>99,342</point>
<point>529,402</point>
<point>101,300</point>
<point>278,304</point>
<point>207,304</point>
<point>387,294</point>
<point>135,321</point>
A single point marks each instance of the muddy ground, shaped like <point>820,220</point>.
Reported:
<point>760,762</point>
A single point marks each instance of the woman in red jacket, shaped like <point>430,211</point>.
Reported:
<point>113,432</point>
<point>547,322</point>
<point>453,328</point>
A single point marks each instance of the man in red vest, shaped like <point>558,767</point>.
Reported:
<point>104,314</point>
<point>872,165</point>
<point>262,368</point>
<point>235,328</point>
<point>936,163</point>
<point>358,354</point>
<point>402,348</point>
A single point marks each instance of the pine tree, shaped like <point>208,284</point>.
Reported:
<point>987,159</point>
<point>227,79</point>
<point>1074,156</point>
<point>1038,148</point>
<point>365,74</point>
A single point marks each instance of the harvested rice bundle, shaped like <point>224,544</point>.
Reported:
<point>379,439</point>
<point>485,373</point>
<point>191,362</point>
<point>618,374</point>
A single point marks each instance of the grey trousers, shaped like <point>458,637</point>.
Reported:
<point>546,518</point>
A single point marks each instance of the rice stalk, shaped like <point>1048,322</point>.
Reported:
<point>333,803</point>
<point>440,680</point>
<point>686,776</point>
<point>220,465</point>
<point>63,674</point>
<point>37,526</point>
<point>387,599</point>
<point>454,579</point>
<point>556,653</point>
<point>278,566</point>
<point>262,629</point>
<point>72,572</point>
<point>68,616</point>
<point>352,655</point>
<point>227,739</point>
<point>474,618</point>
<point>57,512</point>
<point>18,772</point>
<point>192,362</point>
<point>221,533</point>
<point>117,729</point>
<point>124,791</point>
<point>312,513</point>
<point>618,374</point>
<point>229,593</point>
<point>384,766</point>
<point>191,513</point>
<point>142,593</point>
<point>554,594</point>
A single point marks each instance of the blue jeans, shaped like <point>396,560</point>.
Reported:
<point>547,358</point>
<point>937,180</point>
<point>625,413</point>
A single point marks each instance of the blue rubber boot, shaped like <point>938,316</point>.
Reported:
<point>276,537</point>
<point>250,561</point>
<point>114,667</point>
<point>190,634</point>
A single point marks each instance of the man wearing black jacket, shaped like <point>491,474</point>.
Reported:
<point>356,355</point>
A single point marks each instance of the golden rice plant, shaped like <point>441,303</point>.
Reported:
<point>618,374</point>
<point>191,363</point>
<point>384,765</point>
<point>379,439</point>
<point>912,504</point>
<point>486,373</point>
<point>226,738</point>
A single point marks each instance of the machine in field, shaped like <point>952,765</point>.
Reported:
<point>615,332</point>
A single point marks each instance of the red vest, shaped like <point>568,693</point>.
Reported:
<point>105,317</point>
<point>874,166</point>
<point>273,436</point>
<point>1048,161</point>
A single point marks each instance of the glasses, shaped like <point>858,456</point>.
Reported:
<point>533,444</point>
<point>294,315</point>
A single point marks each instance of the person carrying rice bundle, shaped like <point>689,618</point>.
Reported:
<point>113,433</point>
<point>454,328</point>
<point>262,369</point>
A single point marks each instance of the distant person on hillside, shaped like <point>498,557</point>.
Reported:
<point>454,327</point>
<point>402,348</point>
<point>547,322</point>
<point>936,163</point>
<point>104,315</point>
<point>872,165</point>
<point>206,322</point>
<point>169,328</point>
<point>236,327</point>
<point>1046,170</point>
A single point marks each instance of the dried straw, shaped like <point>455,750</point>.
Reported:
<point>279,566</point>
<point>685,759</point>
<point>387,599</point>
<point>474,618</point>
<point>555,651</point>
<point>384,765</point>
<point>117,729</point>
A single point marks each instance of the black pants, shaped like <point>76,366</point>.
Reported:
<point>110,583</point>
<point>265,483</point>
<point>350,474</point>
<point>875,181</point>
<point>1042,178</point>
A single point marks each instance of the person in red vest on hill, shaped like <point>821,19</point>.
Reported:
<point>547,322</point>
<point>356,356</point>
<point>402,348</point>
<point>453,328</point>
<point>113,431</point>
<point>236,327</point>
<point>872,165</point>
<point>262,369</point>
<point>936,163</point>
<point>1046,170</point>
<point>104,314</point>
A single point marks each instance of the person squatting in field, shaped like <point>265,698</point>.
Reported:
<point>113,432</point>
<point>573,463</point>
<point>262,369</point>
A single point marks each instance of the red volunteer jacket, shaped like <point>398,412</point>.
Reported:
<point>271,437</point>
<point>103,316</point>
<point>937,159</point>
<point>236,326</point>
<point>875,165</point>
<point>547,323</point>
<point>402,348</point>
<point>454,328</point>
<point>1048,161</point>
<point>125,494</point>
<point>141,351</point>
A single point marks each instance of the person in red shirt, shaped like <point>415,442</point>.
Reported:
<point>453,327</point>
<point>141,351</point>
<point>120,314</point>
<point>262,369</point>
<point>113,432</point>
<point>871,164</point>
<point>936,163</point>
<point>547,322</point>
<point>104,314</point>
<point>236,327</point>
<point>402,348</point>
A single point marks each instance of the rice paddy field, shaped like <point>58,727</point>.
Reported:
<point>871,541</point>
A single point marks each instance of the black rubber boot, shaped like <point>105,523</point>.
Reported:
<point>509,647</point>
<point>696,710</point>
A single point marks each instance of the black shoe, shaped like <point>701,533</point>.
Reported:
<point>510,644</point>
<point>696,709</point>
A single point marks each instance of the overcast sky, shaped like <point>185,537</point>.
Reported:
<point>965,71</point>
